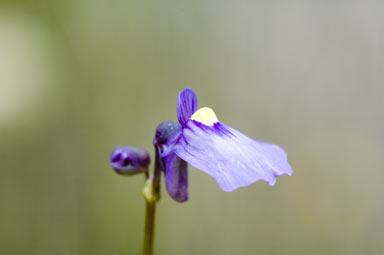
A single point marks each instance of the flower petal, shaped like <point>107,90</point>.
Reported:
<point>186,105</point>
<point>231,158</point>
<point>176,177</point>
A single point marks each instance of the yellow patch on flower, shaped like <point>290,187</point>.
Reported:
<point>205,115</point>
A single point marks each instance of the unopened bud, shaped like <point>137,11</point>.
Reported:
<point>129,160</point>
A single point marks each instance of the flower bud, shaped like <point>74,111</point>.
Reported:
<point>129,160</point>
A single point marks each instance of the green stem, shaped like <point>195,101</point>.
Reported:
<point>151,193</point>
<point>149,228</point>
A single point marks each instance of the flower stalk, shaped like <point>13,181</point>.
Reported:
<point>151,193</point>
<point>149,229</point>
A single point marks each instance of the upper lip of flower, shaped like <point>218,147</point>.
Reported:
<point>231,158</point>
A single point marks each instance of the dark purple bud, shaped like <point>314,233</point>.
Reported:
<point>165,131</point>
<point>129,160</point>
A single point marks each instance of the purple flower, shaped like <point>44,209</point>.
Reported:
<point>230,157</point>
<point>129,160</point>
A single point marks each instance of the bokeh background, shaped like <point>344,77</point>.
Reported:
<point>80,77</point>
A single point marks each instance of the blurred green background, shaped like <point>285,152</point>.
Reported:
<point>80,77</point>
